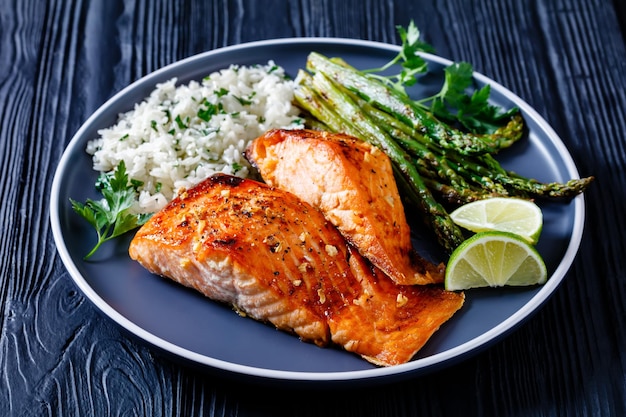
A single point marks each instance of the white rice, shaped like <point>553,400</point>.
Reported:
<point>166,145</point>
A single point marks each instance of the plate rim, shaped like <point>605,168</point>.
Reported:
<point>426,364</point>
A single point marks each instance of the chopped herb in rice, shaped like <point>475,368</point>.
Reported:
<point>181,134</point>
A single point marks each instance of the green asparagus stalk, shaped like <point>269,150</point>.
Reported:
<point>414,143</point>
<point>456,169</point>
<point>457,196</point>
<point>404,109</point>
<point>518,185</point>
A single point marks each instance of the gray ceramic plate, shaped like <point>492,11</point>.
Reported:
<point>187,326</point>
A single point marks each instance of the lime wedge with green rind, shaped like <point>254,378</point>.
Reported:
<point>494,259</point>
<point>506,214</point>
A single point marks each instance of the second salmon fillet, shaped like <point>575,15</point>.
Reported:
<point>352,183</point>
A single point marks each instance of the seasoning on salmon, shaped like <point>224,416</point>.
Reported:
<point>277,259</point>
<point>352,183</point>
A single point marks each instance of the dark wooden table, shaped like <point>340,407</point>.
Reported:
<point>60,60</point>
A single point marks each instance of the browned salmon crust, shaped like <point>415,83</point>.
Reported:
<point>352,183</point>
<point>277,259</point>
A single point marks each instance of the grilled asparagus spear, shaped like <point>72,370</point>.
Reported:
<point>405,110</point>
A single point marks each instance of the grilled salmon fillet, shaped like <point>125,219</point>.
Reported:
<point>277,259</point>
<point>352,183</point>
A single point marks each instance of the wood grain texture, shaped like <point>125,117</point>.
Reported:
<point>60,60</point>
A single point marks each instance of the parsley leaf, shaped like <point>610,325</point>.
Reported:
<point>454,104</point>
<point>111,216</point>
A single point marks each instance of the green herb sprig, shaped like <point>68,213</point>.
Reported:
<point>111,217</point>
<point>472,111</point>
<point>456,102</point>
<point>410,61</point>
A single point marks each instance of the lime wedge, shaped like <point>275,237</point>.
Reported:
<point>494,259</point>
<point>506,214</point>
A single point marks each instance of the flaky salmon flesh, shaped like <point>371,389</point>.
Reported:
<point>276,259</point>
<point>352,183</point>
